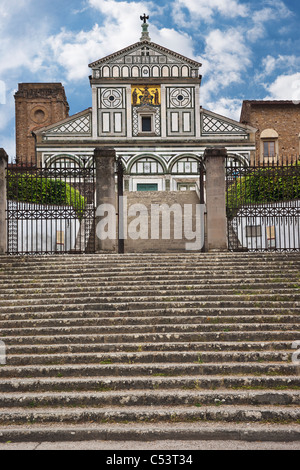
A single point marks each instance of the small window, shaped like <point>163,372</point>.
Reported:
<point>253,231</point>
<point>269,148</point>
<point>146,124</point>
<point>269,144</point>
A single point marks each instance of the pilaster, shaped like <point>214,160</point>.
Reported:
<point>216,225</point>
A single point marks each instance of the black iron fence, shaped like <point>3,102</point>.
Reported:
<point>51,209</point>
<point>263,205</point>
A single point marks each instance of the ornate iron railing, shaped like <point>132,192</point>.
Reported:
<point>51,209</point>
<point>263,205</point>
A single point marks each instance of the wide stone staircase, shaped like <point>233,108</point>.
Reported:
<point>150,347</point>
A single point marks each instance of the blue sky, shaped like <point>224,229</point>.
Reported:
<point>249,49</point>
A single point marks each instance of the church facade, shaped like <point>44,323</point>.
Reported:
<point>146,104</point>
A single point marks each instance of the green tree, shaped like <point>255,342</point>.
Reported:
<point>263,185</point>
<point>33,189</point>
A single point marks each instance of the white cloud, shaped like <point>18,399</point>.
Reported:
<point>285,87</point>
<point>22,37</point>
<point>74,51</point>
<point>226,107</point>
<point>226,58</point>
<point>2,92</point>
<point>7,122</point>
<point>276,11</point>
<point>122,20</point>
<point>205,10</point>
<point>177,41</point>
<point>9,145</point>
<point>270,64</point>
<point>8,8</point>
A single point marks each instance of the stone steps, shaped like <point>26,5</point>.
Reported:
<point>162,398</point>
<point>147,329</point>
<point>234,414</point>
<point>146,298</point>
<point>153,432</point>
<point>188,291</point>
<point>93,347</point>
<point>283,318</point>
<point>159,382</point>
<point>122,270</point>
<point>159,337</point>
<point>149,357</point>
<point>123,307</point>
<point>82,369</point>
<point>161,315</point>
<point>117,346</point>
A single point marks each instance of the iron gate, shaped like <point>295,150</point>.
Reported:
<point>263,206</point>
<point>51,209</point>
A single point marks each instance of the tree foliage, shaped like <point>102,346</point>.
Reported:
<point>263,185</point>
<point>30,188</point>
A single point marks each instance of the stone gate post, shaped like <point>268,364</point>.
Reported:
<point>106,225</point>
<point>3,227</point>
<point>216,223</point>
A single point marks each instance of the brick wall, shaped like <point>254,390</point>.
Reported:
<point>37,105</point>
<point>160,245</point>
<point>282,116</point>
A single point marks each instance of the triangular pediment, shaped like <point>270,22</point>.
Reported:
<point>145,52</point>
<point>78,124</point>
<point>213,124</point>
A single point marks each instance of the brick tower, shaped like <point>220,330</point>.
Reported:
<point>37,105</point>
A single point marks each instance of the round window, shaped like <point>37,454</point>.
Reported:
<point>38,115</point>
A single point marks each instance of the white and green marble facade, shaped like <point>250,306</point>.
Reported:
<point>179,130</point>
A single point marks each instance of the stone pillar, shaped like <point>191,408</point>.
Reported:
<point>216,226</point>
<point>3,226</point>
<point>106,223</point>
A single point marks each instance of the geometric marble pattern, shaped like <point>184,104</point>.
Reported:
<point>81,125</point>
<point>212,125</point>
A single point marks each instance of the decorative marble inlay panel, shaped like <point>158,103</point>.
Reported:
<point>213,125</point>
<point>81,125</point>
<point>180,97</point>
<point>111,98</point>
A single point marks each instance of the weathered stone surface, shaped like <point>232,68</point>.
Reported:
<point>115,347</point>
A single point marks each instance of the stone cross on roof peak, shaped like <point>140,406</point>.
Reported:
<point>145,34</point>
<point>144,18</point>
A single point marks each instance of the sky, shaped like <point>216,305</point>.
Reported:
<point>248,49</point>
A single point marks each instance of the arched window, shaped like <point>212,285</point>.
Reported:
<point>146,165</point>
<point>106,72</point>
<point>146,72</point>
<point>116,71</point>
<point>185,71</point>
<point>125,71</point>
<point>135,72</point>
<point>155,71</point>
<point>62,161</point>
<point>175,71</point>
<point>185,166</point>
<point>165,71</point>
